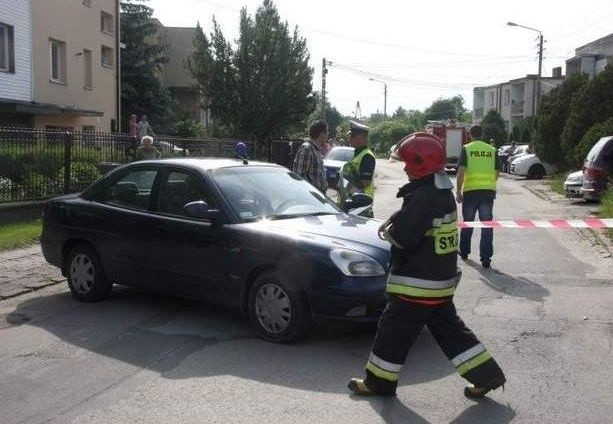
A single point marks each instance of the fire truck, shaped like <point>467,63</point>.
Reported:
<point>454,136</point>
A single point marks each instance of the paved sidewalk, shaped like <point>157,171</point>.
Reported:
<point>25,270</point>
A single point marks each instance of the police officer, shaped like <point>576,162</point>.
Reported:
<point>423,277</point>
<point>478,170</point>
<point>360,170</point>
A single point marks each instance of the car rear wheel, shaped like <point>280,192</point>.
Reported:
<point>536,172</point>
<point>278,310</point>
<point>86,278</point>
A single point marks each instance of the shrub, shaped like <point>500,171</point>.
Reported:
<point>36,185</point>
<point>595,133</point>
<point>81,175</point>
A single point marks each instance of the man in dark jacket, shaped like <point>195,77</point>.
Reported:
<point>423,278</point>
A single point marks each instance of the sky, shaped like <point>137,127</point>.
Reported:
<point>422,50</point>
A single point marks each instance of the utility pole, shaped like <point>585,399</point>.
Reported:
<point>324,71</point>
<point>384,94</point>
<point>538,82</point>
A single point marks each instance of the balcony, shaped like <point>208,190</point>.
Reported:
<point>517,108</point>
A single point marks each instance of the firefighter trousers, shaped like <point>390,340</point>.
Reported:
<point>400,326</point>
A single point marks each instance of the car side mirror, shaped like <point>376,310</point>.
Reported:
<point>358,200</point>
<point>201,210</point>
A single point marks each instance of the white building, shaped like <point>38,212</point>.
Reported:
<point>15,58</point>
<point>514,100</point>
<point>591,58</point>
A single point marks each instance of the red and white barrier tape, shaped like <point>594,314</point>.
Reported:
<point>539,223</point>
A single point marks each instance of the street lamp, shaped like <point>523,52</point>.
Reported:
<point>538,81</point>
<point>384,95</point>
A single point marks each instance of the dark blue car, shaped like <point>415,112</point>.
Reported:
<point>253,236</point>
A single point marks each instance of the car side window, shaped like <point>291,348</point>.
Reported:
<point>132,190</point>
<point>179,188</point>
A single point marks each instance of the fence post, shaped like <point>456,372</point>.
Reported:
<point>67,161</point>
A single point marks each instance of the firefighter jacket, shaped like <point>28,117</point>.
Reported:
<point>424,239</point>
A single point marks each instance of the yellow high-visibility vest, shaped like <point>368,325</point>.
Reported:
<point>480,172</point>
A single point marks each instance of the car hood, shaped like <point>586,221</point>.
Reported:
<point>334,163</point>
<point>331,231</point>
<point>576,176</point>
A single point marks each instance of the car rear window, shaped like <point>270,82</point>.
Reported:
<point>602,152</point>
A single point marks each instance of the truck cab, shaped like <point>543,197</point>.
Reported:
<point>454,136</point>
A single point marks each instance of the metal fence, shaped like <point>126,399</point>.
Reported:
<point>36,164</point>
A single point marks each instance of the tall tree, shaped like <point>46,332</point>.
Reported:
<point>493,127</point>
<point>142,91</point>
<point>551,118</point>
<point>592,104</point>
<point>263,87</point>
<point>446,108</point>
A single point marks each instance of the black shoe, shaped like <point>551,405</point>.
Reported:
<point>473,392</point>
<point>358,387</point>
<point>486,263</point>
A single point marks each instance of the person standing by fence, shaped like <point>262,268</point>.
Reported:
<point>308,162</point>
<point>146,150</point>
<point>144,128</point>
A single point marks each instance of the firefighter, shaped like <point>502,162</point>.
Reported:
<point>423,277</point>
<point>360,170</point>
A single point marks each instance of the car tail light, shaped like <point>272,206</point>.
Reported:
<point>594,173</point>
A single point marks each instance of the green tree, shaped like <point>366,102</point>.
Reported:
<point>400,113</point>
<point>551,119</point>
<point>595,133</point>
<point>142,91</point>
<point>493,127</point>
<point>387,133</point>
<point>592,104</point>
<point>261,88</point>
<point>445,108</point>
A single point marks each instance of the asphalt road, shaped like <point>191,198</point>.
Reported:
<point>544,311</point>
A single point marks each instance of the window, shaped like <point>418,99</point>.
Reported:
<point>132,190</point>
<point>106,23</point>
<point>507,97</point>
<point>491,99</point>
<point>179,189</point>
<point>87,70</point>
<point>106,57</point>
<point>57,50</point>
<point>7,48</point>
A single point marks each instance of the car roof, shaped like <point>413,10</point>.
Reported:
<point>207,164</point>
<point>342,148</point>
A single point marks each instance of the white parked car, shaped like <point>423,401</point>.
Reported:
<point>529,165</point>
<point>574,184</point>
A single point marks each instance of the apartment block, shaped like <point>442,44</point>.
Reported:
<point>591,58</point>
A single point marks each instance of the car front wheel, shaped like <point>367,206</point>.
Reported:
<point>278,310</point>
<point>536,172</point>
<point>86,278</point>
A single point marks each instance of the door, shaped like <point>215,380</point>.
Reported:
<point>119,217</point>
<point>190,256</point>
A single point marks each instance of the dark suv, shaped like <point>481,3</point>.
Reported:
<point>597,167</point>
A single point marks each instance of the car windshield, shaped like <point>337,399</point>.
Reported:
<point>343,154</point>
<point>265,192</point>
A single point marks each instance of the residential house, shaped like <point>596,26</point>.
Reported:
<point>15,62</point>
<point>75,64</point>
<point>189,100</point>
<point>513,100</point>
<point>591,58</point>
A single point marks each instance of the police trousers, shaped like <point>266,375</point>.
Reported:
<point>400,326</point>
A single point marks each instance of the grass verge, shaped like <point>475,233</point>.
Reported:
<point>556,183</point>
<point>19,234</point>
<point>606,209</point>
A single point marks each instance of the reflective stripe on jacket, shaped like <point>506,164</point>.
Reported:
<point>480,172</point>
<point>424,238</point>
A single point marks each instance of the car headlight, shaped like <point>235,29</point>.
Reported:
<point>356,264</point>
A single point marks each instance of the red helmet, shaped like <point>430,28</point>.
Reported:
<point>422,153</point>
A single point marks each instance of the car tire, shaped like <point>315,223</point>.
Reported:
<point>86,278</point>
<point>536,172</point>
<point>278,309</point>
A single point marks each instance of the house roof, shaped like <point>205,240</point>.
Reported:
<point>36,108</point>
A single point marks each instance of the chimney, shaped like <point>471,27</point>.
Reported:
<point>557,72</point>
